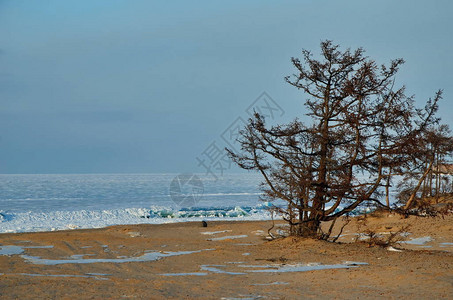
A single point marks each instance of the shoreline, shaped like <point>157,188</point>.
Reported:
<point>227,259</point>
<point>30,221</point>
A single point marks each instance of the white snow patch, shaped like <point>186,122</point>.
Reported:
<point>214,232</point>
<point>228,237</point>
<point>419,241</point>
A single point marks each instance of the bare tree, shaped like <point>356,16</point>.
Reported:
<point>362,131</point>
<point>434,146</point>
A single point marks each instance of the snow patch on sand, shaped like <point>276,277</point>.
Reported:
<point>149,256</point>
<point>16,250</point>
<point>419,241</point>
<point>229,237</point>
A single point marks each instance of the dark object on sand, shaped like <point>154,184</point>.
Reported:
<point>204,224</point>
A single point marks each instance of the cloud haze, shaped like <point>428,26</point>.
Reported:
<point>146,86</point>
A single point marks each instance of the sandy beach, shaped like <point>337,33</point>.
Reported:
<point>228,260</point>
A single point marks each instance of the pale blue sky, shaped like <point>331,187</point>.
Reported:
<point>145,86</point>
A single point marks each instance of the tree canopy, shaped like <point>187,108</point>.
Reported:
<point>363,131</point>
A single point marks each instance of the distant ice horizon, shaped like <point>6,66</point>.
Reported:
<point>45,202</point>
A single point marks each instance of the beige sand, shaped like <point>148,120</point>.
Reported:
<point>424,271</point>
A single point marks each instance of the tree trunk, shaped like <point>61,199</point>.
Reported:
<point>414,193</point>
<point>311,228</point>
<point>387,192</point>
<point>437,178</point>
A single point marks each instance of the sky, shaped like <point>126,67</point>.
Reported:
<point>93,86</point>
